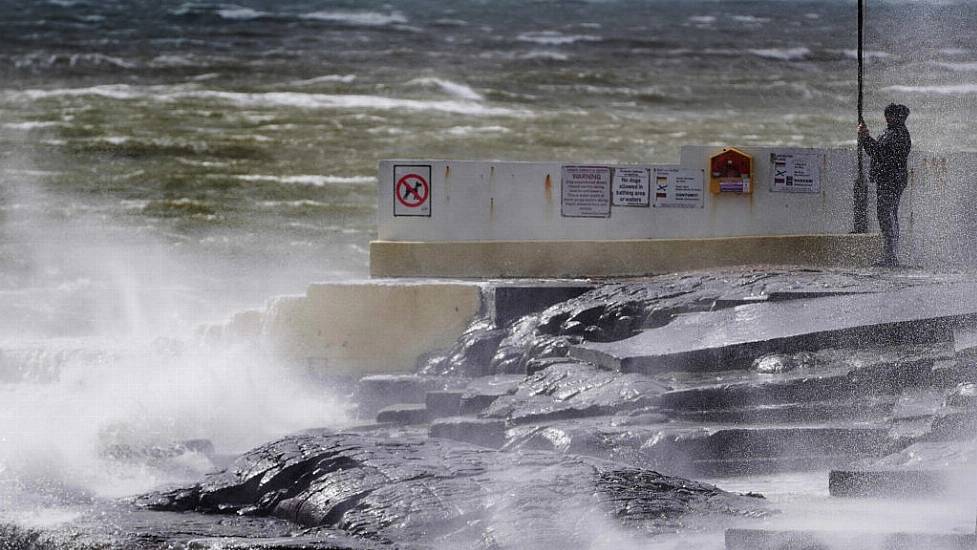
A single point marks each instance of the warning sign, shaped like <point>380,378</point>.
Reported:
<point>630,187</point>
<point>412,190</point>
<point>677,187</point>
<point>795,172</point>
<point>586,192</point>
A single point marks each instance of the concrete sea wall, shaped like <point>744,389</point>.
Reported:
<point>511,219</point>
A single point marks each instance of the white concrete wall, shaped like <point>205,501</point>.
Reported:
<point>503,201</point>
<point>521,201</point>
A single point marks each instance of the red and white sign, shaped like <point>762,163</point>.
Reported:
<point>412,190</point>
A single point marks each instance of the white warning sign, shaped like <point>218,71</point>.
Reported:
<point>585,192</point>
<point>630,187</point>
<point>677,187</point>
<point>412,190</point>
<point>795,172</point>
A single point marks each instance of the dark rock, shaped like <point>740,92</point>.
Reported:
<point>482,392</point>
<point>511,302</point>
<point>484,432</point>
<point>731,338</point>
<point>470,356</point>
<point>376,392</point>
<point>762,539</point>
<point>902,483</point>
<point>573,390</point>
<point>404,414</point>
<point>953,425</point>
<point>839,384</point>
<point>437,493</point>
<point>941,455</point>
<point>871,408</point>
<point>964,395</point>
<point>443,403</point>
<point>314,541</point>
<point>779,363</point>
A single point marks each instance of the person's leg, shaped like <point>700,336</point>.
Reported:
<point>887,202</point>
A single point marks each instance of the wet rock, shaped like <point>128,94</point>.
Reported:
<point>902,483</point>
<point>840,384</point>
<point>376,392</point>
<point>404,414</point>
<point>484,432</point>
<point>482,392</point>
<point>964,395</point>
<point>470,356</point>
<point>511,302</point>
<point>573,390</point>
<point>731,338</point>
<point>943,455</point>
<point>422,493</point>
<point>779,363</point>
<point>762,539</point>
<point>953,425</point>
<point>443,403</point>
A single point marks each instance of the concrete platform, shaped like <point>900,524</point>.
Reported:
<point>761,539</point>
<point>617,258</point>
<point>733,338</point>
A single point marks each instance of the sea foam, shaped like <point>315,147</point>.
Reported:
<point>462,91</point>
<point>361,18</point>
<point>782,54</point>
<point>944,90</point>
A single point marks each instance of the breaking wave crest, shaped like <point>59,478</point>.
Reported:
<point>298,100</point>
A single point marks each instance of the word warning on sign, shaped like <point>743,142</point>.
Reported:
<point>586,192</point>
<point>412,190</point>
<point>630,187</point>
<point>795,172</point>
<point>678,187</point>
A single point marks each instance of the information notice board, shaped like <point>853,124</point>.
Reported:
<point>795,172</point>
<point>677,187</point>
<point>585,192</point>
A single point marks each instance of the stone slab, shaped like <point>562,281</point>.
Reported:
<point>902,483</point>
<point>443,403</point>
<point>405,414</point>
<point>477,431</point>
<point>762,539</point>
<point>732,338</point>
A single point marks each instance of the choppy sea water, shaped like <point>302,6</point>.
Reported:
<point>166,163</point>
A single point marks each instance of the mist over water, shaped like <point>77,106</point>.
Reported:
<point>164,165</point>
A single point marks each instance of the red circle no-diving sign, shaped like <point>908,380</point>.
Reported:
<point>412,190</point>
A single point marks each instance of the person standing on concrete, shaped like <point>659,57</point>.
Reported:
<point>889,154</point>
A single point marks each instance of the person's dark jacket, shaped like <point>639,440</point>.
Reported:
<point>889,154</point>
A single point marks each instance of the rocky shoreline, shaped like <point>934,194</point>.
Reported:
<point>519,436</point>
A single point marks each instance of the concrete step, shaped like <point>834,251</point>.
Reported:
<point>902,483</point>
<point>762,539</point>
<point>733,338</point>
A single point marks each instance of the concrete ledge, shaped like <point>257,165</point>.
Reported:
<point>620,258</point>
<point>369,327</point>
